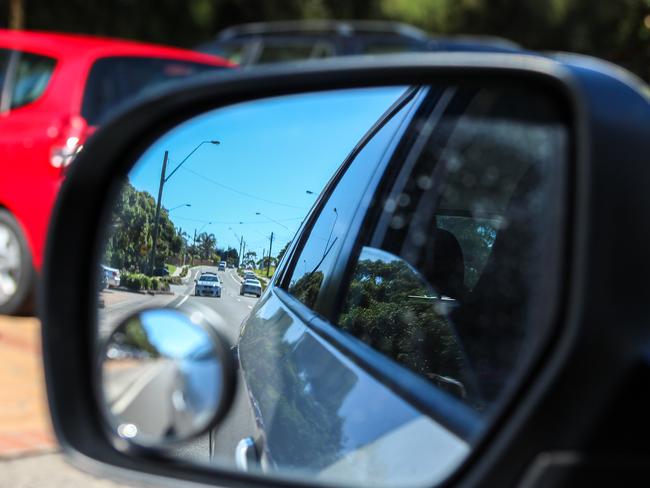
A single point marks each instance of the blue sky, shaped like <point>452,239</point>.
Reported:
<point>272,151</point>
<point>171,333</point>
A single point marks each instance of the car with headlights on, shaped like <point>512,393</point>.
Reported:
<point>208,284</point>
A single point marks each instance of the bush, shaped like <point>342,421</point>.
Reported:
<point>184,271</point>
<point>141,282</point>
<point>173,280</point>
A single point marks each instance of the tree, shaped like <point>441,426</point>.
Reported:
<point>249,258</point>
<point>130,240</point>
<point>282,251</point>
<point>207,245</point>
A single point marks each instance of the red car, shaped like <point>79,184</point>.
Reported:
<point>55,90</point>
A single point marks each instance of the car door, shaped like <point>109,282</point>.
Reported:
<point>294,399</point>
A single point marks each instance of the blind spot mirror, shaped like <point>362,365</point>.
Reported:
<point>166,376</point>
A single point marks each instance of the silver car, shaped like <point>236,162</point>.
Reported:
<point>208,284</point>
<point>252,286</point>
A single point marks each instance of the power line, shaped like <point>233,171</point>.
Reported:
<point>234,222</point>
<point>234,190</point>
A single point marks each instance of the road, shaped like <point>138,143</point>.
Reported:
<point>233,309</point>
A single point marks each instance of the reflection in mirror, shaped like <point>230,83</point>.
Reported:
<point>407,297</point>
<point>162,377</point>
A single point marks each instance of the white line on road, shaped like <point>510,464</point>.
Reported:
<point>135,389</point>
<point>182,301</point>
<point>250,307</point>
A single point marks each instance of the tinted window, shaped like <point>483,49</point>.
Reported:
<point>451,284</point>
<point>32,76</point>
<point>112,81</point>
<point>327,233</point>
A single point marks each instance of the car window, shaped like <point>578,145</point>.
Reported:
<point>5,54</point>
<point>113,80</point>
<point>448,282</point>
<point>319,252</point>
<point>33,74</point>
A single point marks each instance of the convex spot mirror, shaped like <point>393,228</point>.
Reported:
<point>392,259</point>
<point>166,377</point>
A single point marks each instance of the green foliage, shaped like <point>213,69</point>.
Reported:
<point>130,242</point>
<point>385,307</point>
<point>184,272</point>
<point>306,288</point>
<point>136,336</point>
<point>142,282</point>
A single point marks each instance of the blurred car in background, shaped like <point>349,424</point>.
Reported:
<point>55,91</point>
<point>251,286</point>
<point>162,271</point>
<point>112,276</point>
<point>271,42</point>
<point>208,284</point>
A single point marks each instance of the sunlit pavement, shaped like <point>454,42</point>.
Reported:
<point>28,451</point>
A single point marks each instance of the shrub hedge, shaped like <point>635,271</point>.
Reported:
<point>141,282</point>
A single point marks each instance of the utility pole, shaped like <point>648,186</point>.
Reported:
<point>152,258</point>
<point>268,263</point>
<point>239,256</point>
<point>163,180</point>
<point>193,246</point>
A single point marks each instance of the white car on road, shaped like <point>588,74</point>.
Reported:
<point>112,276</point>
<point>208,284</point>
<point>252,286</point>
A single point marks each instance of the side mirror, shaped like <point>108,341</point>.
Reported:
<point>167,377</point>
<point>351,368</point>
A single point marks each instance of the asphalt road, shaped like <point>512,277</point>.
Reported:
<point>136,399</point>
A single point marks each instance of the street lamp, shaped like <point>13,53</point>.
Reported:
<point>164,179</point>
<point>179,206</point>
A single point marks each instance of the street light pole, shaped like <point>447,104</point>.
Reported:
<point>179,206</point>
<point>164,179</point>
<point>268,262</point>
<point>155,224</point>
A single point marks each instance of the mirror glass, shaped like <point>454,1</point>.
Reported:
<point>162,377</point>
<point>384,260</point>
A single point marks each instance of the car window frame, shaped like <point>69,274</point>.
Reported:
<point>451,413</point>
<point>283,277</point>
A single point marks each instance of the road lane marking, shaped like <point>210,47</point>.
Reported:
<point>134,389</point>
<point>250,307</point>
<point>184,299</point>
